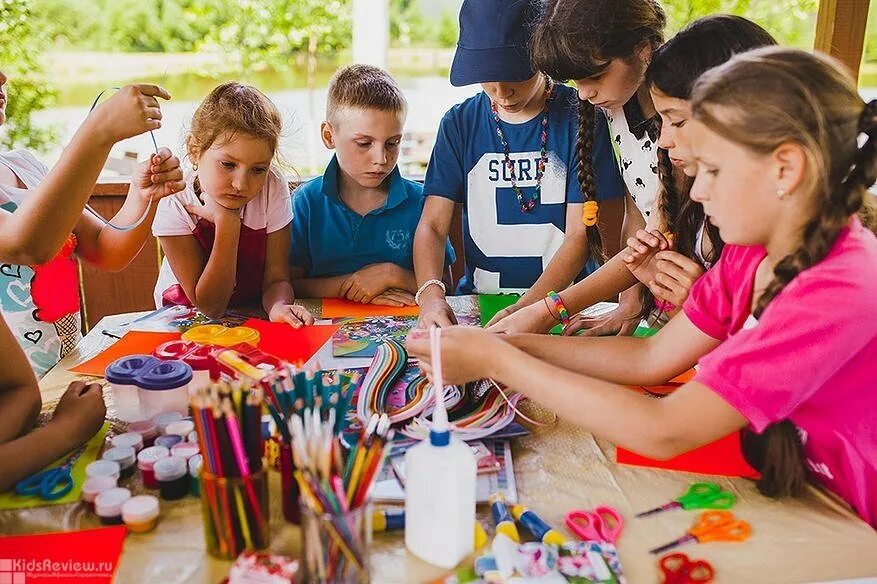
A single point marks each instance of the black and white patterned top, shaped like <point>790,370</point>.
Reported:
<point>635,139</point>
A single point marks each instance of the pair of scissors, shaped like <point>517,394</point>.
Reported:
<point>603,524</point>
<point>52,483</point>
<point>679,569</point>
<point>698,496</point>
<point>712,526</point>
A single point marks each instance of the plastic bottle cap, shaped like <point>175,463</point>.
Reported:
<point>124,371</point>
<point>169,440</point>
<point>192,437</point>
<point>109,503</point>
<point>163,419</point>
<point>185,450</point>
<point>145,428</point>
<point>95,485</point>
<point>148,456</point>
<point>124,455</point>
<point>164,375</point>
<point>195,464</point>
<point>129,440</point>
<point>169,469</point>
<point>180,428</point>
<point>103,468</point>
<point>140,509</point>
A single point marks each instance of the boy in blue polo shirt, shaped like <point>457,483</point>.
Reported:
<point>353,227</point>
<point>509,156</point>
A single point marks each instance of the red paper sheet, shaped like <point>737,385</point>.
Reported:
<point>294,345</point>
<point>85,557</point>
<point>132,343</point>
<point>340,308</point>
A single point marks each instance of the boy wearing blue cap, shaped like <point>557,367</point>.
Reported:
<point>353,227</point>
<point>508,155</point>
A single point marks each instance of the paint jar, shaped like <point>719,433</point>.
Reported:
<point>192,437</point>
<point>185,450</point>
<point>94,486</point>
<point>336,544</point>
<point>180,428</point>
<point>164,387</point>
<point>103,468</point>
<point>172,476</point>
<point>289,491</point>
<point>129,440</point>
<point>146,460</point>
<point>122,376</point>
<point>140,513</point>
<point>125,456</point>
<point>168,441</point>
<point>108,505</point>
<point>226,526</point>
<point>195,464</point>
<point>145,428</point>
<point>163,419</point>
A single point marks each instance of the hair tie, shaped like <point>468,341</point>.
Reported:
<point>868,119</point>
<point>589,213</point>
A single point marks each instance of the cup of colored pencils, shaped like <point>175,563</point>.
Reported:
<point>234,501</point>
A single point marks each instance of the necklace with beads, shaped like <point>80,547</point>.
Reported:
<point>527,202</point>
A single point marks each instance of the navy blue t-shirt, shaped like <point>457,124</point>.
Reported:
<point>330,239</point>
<point>505,248</point>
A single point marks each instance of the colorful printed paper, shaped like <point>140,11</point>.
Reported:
<point>341,308</point>
<point>360,337</point>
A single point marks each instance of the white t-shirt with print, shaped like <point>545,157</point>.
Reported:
<point>638,158</point>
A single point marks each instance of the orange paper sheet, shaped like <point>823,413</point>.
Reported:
<point>294,345</point>
<point>340,308</point>
<point>132,343</point>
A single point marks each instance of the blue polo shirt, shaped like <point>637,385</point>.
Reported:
<point>329,239</point>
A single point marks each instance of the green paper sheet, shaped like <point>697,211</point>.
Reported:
<point>490,304</point>
<point>9,500</point>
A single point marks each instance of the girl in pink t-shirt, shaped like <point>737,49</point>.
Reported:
<point>784,327</point>
<point>226,236</point>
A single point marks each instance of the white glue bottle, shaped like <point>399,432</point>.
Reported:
<point>440,486</point>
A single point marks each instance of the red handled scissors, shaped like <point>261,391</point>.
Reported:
<point>679,569</point>
<point>600,524</point>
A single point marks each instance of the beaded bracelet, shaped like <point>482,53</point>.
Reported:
<point>562,313</point>
<point>664,306</point>
<point>426,285</point>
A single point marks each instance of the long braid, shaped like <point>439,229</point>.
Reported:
<point>585,173</point>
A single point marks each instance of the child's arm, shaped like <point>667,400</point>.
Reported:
<point>111,250</point>
<point>208,282</point>
<point>361,286</point>
<point>44,220</point>
<point>429,260</point>
<point>277,293</point>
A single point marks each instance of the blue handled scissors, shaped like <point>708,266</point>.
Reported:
<point>603,524</point>
<point>52,483</point>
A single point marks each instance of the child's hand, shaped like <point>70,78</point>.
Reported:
<point>534,318</point>
<point>640,254</point>
<point>675,276</point>
<point>436,311</point>
<point>159,176</point>
<point>81,411</point>
<point>466,352</point>
<point>394,297</point>
<point>364,284</point>
<point>134,109</point>
<point>213,211</point>
<point>292,314</point>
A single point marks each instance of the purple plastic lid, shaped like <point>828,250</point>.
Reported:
<point>169,440</point>
<point>165,375</point>
<point>124,371</point>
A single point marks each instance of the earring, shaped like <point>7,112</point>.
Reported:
<point>781,193</point>
<point>195,167</point>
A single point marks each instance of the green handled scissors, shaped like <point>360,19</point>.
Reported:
<point>698,496</point>
<point>52,483</point>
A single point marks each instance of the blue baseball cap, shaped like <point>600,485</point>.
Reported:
<point>494,39</point>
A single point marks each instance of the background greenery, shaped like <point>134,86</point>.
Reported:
<point>257,36</point>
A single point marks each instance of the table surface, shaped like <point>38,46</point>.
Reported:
<point>557,469</point>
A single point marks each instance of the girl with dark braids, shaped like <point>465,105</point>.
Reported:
<point>783,327</point>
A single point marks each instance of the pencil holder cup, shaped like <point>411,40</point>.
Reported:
<point>335,547</point>
<point>289,490</point>
<point>235,513</point>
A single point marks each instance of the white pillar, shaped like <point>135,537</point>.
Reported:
<point>371,32</point>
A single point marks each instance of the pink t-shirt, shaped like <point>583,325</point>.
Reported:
<point>811,358</point>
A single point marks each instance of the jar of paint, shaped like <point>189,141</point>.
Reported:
<point>146,460</point>
<point>145,428</point>
<point>125,456</point>
<point>164,418</point>
<point>122,376</point>
<point>130,440</point>
<point>249,516</point>
<point>103,468</point>
<point>164,387</point>
<point>169,440</point>
<point>108,505</point>
<point>181,428</point>
<point>192,437</point>
<point>140,513</point>
<point>185,450</point>
<point>172,476</point>
<point>195,464</point>
<point>94,486</point>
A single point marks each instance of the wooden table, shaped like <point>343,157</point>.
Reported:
<point>557,469</point>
